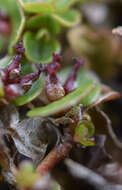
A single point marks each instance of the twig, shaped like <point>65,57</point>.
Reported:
<point>109,128</point>
<point>98,182</point>
<point>55,156</point>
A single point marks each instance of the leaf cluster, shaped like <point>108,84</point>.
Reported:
<point>53,111</point>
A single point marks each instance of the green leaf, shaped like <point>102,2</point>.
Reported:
<point>4,62</point>
<point>88,142</point>
<point>34,6</point>
<point>17,20</point>
<point>3,43</point>
<point>56,186</point>
<point>34,91</point>
<point>64,72</point>
<point>40,51</point>
<point>26,67</point>
<point>90,128</point>
<point>85,129</point>
<point>42,33</point>
<point>46,6</point>
<point>63,104</point>
<point>92,97</point>
<point>82,77</point>
<point>44,21</point>
<point>63,4</point>
<point>68,18</point>
<point>26,176</point>
<point>83,132</point>
<point>58,4</point>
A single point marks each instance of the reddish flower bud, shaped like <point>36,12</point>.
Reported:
<point>14,70</point>
<point>70,83</point>
<point>19,48</point>
<point>56,57</point>
<point>15,63</point>
<point>11,75</point>
<point>54,88</point>
<point>12,91</point>
<point>14,76</point>
<point>54,66</point>
<point>27,80</point>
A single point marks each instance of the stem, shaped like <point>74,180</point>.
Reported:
<point>55,156</point>
<point>59,152</point>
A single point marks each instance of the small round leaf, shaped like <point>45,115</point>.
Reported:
<point>40,51</point>
<point>68,18</point>
<point>34,6</point>
<point>44,21</point>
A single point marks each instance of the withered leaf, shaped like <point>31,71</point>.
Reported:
<point>31,136</point>
<point>107,94</point>
<point>103,126</point>
<point>3,153</point>
<point>7,156</point>
<point>7,148</point>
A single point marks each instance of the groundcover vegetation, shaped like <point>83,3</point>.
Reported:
<point>54,134</point>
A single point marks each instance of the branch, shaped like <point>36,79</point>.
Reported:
<point>55,156</point>
<point>109,128</point>
<point>98,182</point>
